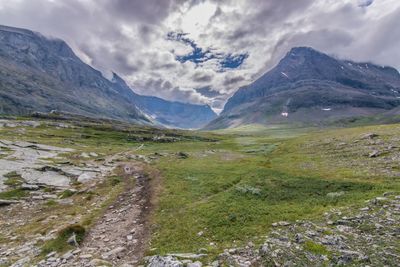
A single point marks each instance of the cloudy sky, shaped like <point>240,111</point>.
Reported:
<point>201,51</point>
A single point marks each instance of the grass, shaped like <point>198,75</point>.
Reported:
<point>13,179</point>
<point>230,185</point>
<point>251,180</point>
<point>66,194</point>
<point>13,194</point>
<point>60,244</point>
<point>316,248</point>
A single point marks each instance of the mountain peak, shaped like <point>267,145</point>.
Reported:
<point>313,87</point>
<point>304,50</point>
<point>305,53</point>
<point>17,30</point>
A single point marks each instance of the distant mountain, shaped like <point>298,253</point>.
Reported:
<point>170,113</point>
<point>308,86</point>
<point>41,74</point>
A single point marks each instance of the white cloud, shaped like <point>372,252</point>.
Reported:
<point>130,36</point>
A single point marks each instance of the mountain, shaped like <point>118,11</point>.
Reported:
<point>41,74</point>
<point>170,113</point>
<point>308,86</point>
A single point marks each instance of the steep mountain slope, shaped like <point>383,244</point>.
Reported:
<point>42,74</point>
<point>308,86</point>
<point>169,113</point>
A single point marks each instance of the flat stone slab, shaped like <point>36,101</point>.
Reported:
<point>25,158</point>
<point>51,178</point>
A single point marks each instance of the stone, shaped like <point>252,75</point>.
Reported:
<point>167,261</point>
<point>195,264</point>
<point>188,255</point>
<point>86,256</point>
<point>50,196</point>
<point>369,136</point>
<point>335,194</point>
<point>86,176</point>
<point>374,154</point>
<point>182,155</point>
<point>5,202</point>
<point>113,252</point>
<point>99,262</point>
<point>76,251</point>
<point>93,154</point>
<point>68,255</point>
<point>29,187</point>
<point>85,155</point>
<point>72,240</point>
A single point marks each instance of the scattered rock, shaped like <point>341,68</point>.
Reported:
<point>365,237</point>
<point>72,240</point>
<point>369,136</point>
<point>335,194</point>
<point>5,202</point>
<point>195,264</point>
<point>168,261</point>
<point>374,154</point>
<point>86,256</point>
<point>30,187</point>
<point>113,252</point>
<point>99,262</point>
<point>182,155</point>
<point>188,255</point>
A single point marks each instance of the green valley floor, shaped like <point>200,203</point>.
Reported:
<point>103,193</point>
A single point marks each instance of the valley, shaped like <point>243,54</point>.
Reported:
<point>127,193</point>
<point>173,133</point>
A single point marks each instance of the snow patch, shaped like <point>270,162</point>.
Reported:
<point>285,114</point>
<point>284,74</point>
<point>326,109</point>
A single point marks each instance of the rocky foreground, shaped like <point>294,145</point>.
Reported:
<point>367,237</point>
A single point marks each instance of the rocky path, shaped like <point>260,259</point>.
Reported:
<point>119,237</point>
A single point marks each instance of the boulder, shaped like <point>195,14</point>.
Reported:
<point>6,202</point>
<point>167,261</point>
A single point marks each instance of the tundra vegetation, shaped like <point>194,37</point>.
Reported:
<point>210,190</point>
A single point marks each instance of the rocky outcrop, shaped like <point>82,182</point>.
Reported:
<point>367,236</point>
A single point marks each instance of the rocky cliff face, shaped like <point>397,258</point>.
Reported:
<point>42,74</point>
<point>309,86</point>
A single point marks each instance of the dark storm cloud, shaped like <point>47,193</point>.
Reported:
<point>207,91</point>
<point>233,80</point>
<point>267,15</point>
<point>149,11</point>
<point>202,77</point>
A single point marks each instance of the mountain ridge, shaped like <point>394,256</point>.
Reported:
<point>40,74</point>
<point>306,79</point>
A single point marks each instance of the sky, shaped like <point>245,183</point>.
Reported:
<point>202,51</point>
